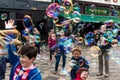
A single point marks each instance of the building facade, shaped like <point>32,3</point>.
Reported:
<point>16,9</point>
<point>98,7</point>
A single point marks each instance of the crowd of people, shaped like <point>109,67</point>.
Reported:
<point>23,48</point>
<point>22,52</point>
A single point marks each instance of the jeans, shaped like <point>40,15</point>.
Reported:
<point>57,57</point>
<point>51,53</point>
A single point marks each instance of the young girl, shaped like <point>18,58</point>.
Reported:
<point>51,42</point>
<point>80,62</point>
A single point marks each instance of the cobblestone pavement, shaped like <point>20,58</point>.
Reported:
<point>47,68</point>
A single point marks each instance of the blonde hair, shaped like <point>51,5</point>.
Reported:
<point>77,48</point>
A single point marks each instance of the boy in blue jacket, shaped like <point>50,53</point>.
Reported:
<point>23,67</point>
<point>80,62</point>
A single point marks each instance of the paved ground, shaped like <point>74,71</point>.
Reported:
<point>47,68</point>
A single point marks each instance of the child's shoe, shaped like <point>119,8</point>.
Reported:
<point>63,72</point>
<point>38,57</point>
<point>55,72</point>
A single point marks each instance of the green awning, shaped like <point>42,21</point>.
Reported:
<point>88,18</point>
<point>93,18</point>
<point>97,19</point>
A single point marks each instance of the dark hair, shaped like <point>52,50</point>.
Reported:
<point>28,50</point>
<point>81,70</point>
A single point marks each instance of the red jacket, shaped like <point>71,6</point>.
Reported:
<point>51,42</point>
<point>78,77</point>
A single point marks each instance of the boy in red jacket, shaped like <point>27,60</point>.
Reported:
<point>82,74</point>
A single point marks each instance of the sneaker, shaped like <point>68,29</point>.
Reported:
<point>99,74</point>
<point>63,72</point>
<point>55,72</point>
<point>106,75</point>
<point>38,57</point>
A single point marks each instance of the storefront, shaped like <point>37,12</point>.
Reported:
<point>96,11</point>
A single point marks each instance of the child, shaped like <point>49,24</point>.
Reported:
<point>37,41</point>
<point>3,61</point>
<point>82,74</point>
<point>51,42</point>
<point>23,67</point>
<point>60,52</point>
<point>80,62</point>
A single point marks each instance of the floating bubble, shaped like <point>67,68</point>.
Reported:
<point>4,16</point>
<point>93,6</point>
<point>59,8</point>
<point>60,1</point>
<point>68,5</point>
<point>94,51</point>
<point>89,38</point>
<point>50,9</point>
<point>76,13</point>
<point>76,7</point>
<point>112,8</point>
<point>115,55</point>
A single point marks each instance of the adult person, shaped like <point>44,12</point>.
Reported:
<point>106,41</point>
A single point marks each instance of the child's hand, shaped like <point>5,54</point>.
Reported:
<point>73,63</point>
<point>10,23</point>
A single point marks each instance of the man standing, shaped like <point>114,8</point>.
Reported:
<point>105,42</point>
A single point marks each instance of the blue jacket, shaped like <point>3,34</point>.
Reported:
<point>77,67</point>
<point>34,74</point>
<point>14,60</point>
<point>80,60</point>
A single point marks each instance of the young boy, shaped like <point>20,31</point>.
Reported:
<point>23,67</point>
<point>82,74</point>
<point>80,62</point>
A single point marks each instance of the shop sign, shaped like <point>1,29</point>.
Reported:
<point>97,11</point>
